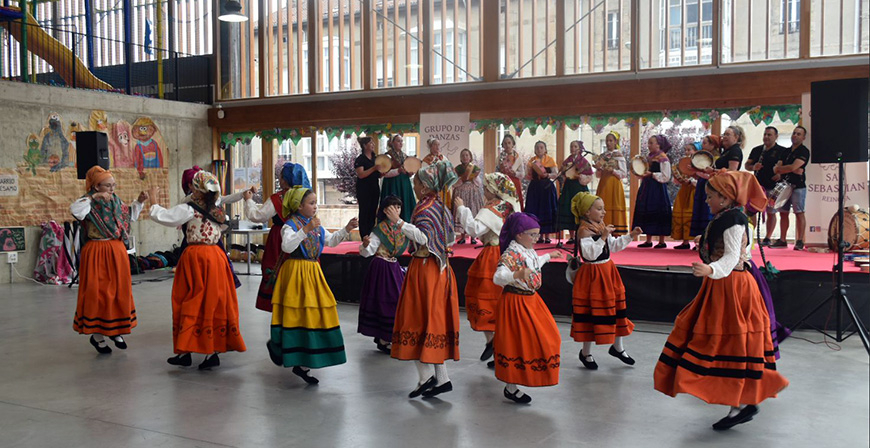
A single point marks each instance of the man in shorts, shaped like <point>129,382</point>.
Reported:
<point>791,167</point>
<point>762,160</point>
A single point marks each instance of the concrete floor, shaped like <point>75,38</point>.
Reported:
<point>56,391</point>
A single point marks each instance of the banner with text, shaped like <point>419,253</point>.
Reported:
<point>450,129</point>
<point>823,184</point>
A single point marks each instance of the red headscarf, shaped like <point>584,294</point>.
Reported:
<point>96,175</point>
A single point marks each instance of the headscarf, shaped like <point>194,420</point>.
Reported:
<point>740,186</point>
<point>717,141</point>
<point>187,178</point>
<point>615,135</point>
<point>111,217</point>
<point>204,183</point>
<point>95,175</point>
<point>293,199</point>
<point>516,224</point>
<point>581,203</point>
<point>664,144</point>
<point>294,174</point>
<point>697,146</point>
<point>503,187</point>
<point>438,176</point>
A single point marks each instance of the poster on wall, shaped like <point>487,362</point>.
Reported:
<point>823,185</point>
<point>8,185</point>
<point>12,239</point>
<point>450,129</point>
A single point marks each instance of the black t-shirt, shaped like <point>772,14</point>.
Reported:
<point>369,184</point>
<point>732,153</point>
<point>768,159</point>
<point>788,157</point>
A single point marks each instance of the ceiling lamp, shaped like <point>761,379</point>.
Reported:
<point>233,12</point>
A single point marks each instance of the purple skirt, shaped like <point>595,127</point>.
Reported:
<point>379,298</point>
<point>778,331</point>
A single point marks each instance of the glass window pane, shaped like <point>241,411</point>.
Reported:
<point>239,77</point>
<point>597,39</point>
<point>829,38</point>
<point>748,35</point>
<point>456,21</point>
<point>286,44</point>
<point>680,43</point>
<point>398,30</point>
<point>527,38</point>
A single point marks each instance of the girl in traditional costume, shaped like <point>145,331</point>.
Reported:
<point>305,329</point>
<point>205,308</point>
<point>511,164</point>
<point>397,181</point>
<point>527,343</point>
<point>427,319</point>
<point>681,226</point>
<point>598,293</point>
<point>435,155</point>
<point>701,215</point>
<point>481,294</point>
<point>105,300</point>
<point>468,189</point>
<point>570,187</point>
<point>611,169</point>
<point>720,349</point>
<point>383,282</point>
<point>541,200</point>
<point>652,209</point>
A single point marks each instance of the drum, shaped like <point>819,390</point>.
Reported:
<point>856,230</point>
<point>412,165</point>
<point>702,160</point>
<point>639,166</point>
<point>572,173</point>
<point>683,170</point>
<point>383,162</point>
<point>780,195</point>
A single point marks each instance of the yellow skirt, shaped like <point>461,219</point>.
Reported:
<point>681,223</point>
<point>610,191</point>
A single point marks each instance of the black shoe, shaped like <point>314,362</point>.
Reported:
<point>103,350</point>
<point>743,416</point>
<point>122,344</point>
<point>799,245</point>
<point>430,383</point>
<point>779,243</point>
<point>487,351</point>
<point>384,348</point>
<point>208,363</point>
<point>683,246</point>
<point>180,360</point>
<point>472,241</point>
<point>275,357</point>
<point>569,242</point>
<point>547,241</point>
<point>661,246</point>
<point>491,364</point>
<point>621,355</point>
<point>525,399</point>
<point>304,375</point>
<point>437,390</point>
<point>591,365</point>
<point>765,242</point>
<point>646,244</point>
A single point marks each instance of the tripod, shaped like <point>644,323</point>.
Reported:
<point>838,295</point>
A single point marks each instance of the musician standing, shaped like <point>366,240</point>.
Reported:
<point>541,199</point>
<point>368,190</point>
<point>761,160</point>
<point>572,186</point>
<point>790,167</point>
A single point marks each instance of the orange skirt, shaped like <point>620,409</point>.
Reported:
<point>720,349</point>
<point>599,304</point>
<point>205,309</point>
<point>611,191</point>
<point>427,317</point>
<point>527,342</point>
<point>481,294</point>
<point>105,303</point>
<point>681,223</point>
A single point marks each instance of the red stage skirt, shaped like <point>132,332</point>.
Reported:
<point>481,294</point>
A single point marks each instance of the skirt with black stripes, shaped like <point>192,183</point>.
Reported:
<point>105,300</point>
<point>599,304</point>
<point>720,349</point>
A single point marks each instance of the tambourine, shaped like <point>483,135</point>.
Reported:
<point>702,160</point>
<point>412,165</point>
<point>383,162</point>
<point>572,173</point>
<point>683,170</point>
<point>639,166</point>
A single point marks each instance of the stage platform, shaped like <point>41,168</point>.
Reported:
<point>658,282</point>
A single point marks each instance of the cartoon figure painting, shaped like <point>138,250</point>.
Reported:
<point>71,135</point>
<point>32,157</point>
<point>55,146</point>
<point>119,145</point>
<point>99,121</point>
<point>147,151</point>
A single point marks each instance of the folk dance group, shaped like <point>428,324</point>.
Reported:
<point>721,348</point>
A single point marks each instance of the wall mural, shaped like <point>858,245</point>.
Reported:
<point>46,174</point>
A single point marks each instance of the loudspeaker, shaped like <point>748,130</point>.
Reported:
<point>92,148</point>
<point>838,110</point>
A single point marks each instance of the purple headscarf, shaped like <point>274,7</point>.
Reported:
<point>664,144</point>
<point>516,224</point>
<point>187,178</point>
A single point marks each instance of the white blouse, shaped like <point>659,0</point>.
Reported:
<point>199,229</point>
<point>734,253</point>
<point>82,206</point>
<point>228,199</point>
<point>291,239</point>
<point>504,276</point>
<point>259,213</point>
<point>484,224</point>
<point>664,176</point>
<point>621,170</point>
<point>591,250</point>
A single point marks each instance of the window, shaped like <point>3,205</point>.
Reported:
<point>685,33</point>
<point>791,13</point>
<point>613,30</point>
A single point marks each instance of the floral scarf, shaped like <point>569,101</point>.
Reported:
<point>312,245</point>
<point>467,172</point>
<point>111,218</point>
<point>436,221</point>
<point>515,257</point>
<point>392,238</point>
